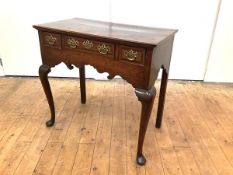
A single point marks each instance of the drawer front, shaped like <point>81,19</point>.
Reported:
<point>51,40</point>
<point>134,55</point>
<point>92,46</point>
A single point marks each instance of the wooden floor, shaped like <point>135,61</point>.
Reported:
<point>100,138</point>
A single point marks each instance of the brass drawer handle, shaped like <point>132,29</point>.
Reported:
<point>87,44</point>
<point>103,49</point>
<point>130,54</point>
<point>50,39</point>
<point>72,43</point>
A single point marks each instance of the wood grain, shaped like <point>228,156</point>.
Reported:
<point>109,30</point>
<point>195,138</point>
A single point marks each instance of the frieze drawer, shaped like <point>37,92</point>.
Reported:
<point>51,39</point>
<point>87,45</point>
<point>134,55</point>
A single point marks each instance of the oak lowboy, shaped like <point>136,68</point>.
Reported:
<point>133,52</point>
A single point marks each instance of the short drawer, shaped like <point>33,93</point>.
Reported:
<point>51,39</point>
<point>87,45</point>
<point>134,55</point>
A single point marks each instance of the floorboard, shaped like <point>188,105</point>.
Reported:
<point>100,137</point>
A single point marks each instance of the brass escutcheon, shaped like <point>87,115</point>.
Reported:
<point>87,44</point>
<point>50,39</point>
<point>103,49</point>
<point>130,54</point>
<point>72,43</point>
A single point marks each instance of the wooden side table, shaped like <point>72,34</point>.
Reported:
<point>133,52</point>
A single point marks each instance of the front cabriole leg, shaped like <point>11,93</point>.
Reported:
<point>43,73</point>
<point>146,97</point>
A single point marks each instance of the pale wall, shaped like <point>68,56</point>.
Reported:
<point>195,20</point>
<point>1,68</point>
<point>19,42</point>
<point>220,66</point>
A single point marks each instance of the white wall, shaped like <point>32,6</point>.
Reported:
<point>1,72</point>
<point>220,65</point>
<point>1,68</point>
<point>194,19</point>
<point>19,43</point>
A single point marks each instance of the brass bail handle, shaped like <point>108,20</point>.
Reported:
<point>50,39</point>
<point>72,43</point>
<point>130,54</point>
<point>103,49</point>
<point>87,44</point>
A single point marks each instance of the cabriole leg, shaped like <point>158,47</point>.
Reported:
<point>43,73</point>
<point>146,97</point>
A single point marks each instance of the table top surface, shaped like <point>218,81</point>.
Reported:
<point>132,33</point>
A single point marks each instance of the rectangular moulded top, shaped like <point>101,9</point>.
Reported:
<point>115,31</point>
